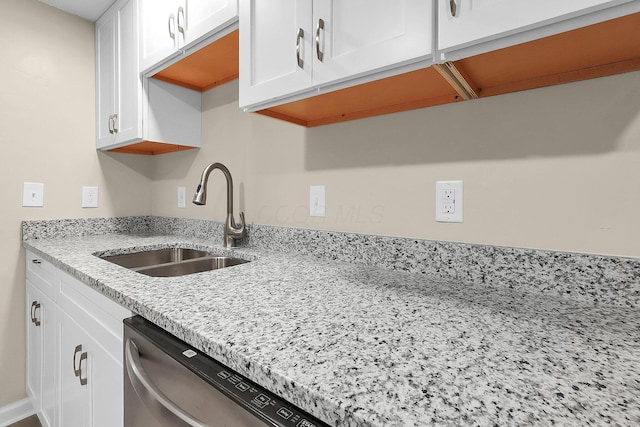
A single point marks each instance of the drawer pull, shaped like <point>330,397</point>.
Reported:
<point>319,53</point>
<point>78,371</point>
<point>36,261</point>
<point>299,37</point>
<point>34,306</point>
<point>181,26</point>
<point>454,7</point>
<point>172,23</point>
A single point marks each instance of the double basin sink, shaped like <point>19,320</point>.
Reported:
<point>172,262</point>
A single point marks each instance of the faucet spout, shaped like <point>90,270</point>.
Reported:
<point>231,231</point>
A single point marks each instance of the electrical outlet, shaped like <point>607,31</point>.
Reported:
<point>89,197</point>
<point>182,197</point>
<point>316,200</point>
<point>448,195</point>
<point>449,201</point>
<point>33,194</point>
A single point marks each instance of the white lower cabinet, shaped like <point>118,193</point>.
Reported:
<point>74,352</point>
<point>90,380</point>
<point>74,370</point>
<point>42,357</point>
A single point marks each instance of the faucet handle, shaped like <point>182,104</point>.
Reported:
<point>241,231</point>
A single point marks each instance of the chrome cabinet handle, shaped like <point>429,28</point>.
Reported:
<point>34,306</point>
<point>181,26</point>
<point>155,400</point>
<point>172,33</point>
<point>319,53</point>
<point>300,36</point>
<point>454,7</point>
<point>78,371</point>
<point>111,124</point>
<point>115,123</point>
<point>36,261</point>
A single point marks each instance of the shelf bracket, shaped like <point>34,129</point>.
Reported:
<point>456,76</point>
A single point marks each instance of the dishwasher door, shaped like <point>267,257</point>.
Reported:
<point>169,383</point>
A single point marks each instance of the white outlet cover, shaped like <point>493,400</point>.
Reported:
<point>182,197</point>
<point>449,201</point>
<point>33,194</point>
<point>316,200</point>
<point>89,197</point>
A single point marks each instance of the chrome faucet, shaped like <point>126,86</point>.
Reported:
<point>231,230</point>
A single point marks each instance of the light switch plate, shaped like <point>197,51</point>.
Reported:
<point>89,197</point>
<point>182,197</point>
<point>33,194</point>
<point>449,201</point>
<point>316,200</point>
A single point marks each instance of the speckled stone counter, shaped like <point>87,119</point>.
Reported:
<point>362,346</point>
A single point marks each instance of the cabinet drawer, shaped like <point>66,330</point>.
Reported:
<point>42,274</point>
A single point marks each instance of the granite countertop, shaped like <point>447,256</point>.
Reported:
<point>359,346</point>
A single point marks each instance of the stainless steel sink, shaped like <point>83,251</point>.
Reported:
<point>173,262</point>
<point>155,257</point>
<point>191,266</point>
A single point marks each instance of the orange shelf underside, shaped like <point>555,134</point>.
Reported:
<point>607,48</point>
<point>603,49</point>
<point>417,89</point>
<point>207,68</point>
<point>151,148</point>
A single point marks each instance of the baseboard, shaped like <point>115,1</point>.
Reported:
<point>16,411</point>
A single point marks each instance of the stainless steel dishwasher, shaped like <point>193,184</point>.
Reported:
<point>169,383</point>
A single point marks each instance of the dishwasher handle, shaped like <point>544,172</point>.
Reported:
<point>155,400</point>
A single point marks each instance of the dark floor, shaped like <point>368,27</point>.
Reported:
<point>32,421</point>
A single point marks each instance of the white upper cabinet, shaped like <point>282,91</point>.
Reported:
<point>105,79</point>
<point>161,29</point>
<point>127,106</point>
<point>275,49</point>
<point>465,23</point>
<point>358,36</point>
<point>292,47</point>
<point>206,17</point>
<point>118,86</point>
<point>169,27</point>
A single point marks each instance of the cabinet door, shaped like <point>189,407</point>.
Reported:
<point>91,389</point>
<point>34,345</point>
<point>205,17</point>
<point>107,388</point>
<point>275,49</point>
<point>41,353</point>
<point>128,120</point>
<point>478,21</point>
<point>160,38</point>
<point>119,89</point>
<point>74,366</point>
<point>359,36</point>
<point>105,79</point>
